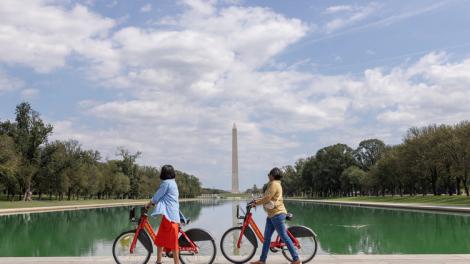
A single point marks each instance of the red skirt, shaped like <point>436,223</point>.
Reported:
<point>167,235</point>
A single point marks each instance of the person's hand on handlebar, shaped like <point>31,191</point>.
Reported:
<point>148,205</point>
<point>252,204</point>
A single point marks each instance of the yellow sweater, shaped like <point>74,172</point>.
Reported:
<point>273,193</point>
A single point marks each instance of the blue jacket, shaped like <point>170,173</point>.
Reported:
<point>166,201</point>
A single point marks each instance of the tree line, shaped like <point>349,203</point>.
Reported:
<point>433,159</point>
<point>29,163</point>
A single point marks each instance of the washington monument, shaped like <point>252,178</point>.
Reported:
<point>234,160</point>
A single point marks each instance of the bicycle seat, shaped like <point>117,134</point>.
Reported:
<point>289,216</point>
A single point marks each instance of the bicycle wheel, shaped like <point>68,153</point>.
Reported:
<point>122,246</point>
<point>248,245</point>
<point>307,241</point>
<point>205,245</point>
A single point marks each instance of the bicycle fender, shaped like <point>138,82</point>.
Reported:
<point>196,234</point>
<point>301,231</point>
<point>250,235</point>
<point>145,240</point>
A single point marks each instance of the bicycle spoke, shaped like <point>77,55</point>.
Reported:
<point>206,251</point>
<point>230,249</point>
<point>307,242</point>
<point>122,246</point>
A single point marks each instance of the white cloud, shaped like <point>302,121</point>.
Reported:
<point>181,87</point>
<point>146,8</point>
<point>187,86</point>
<point>41,35</point>
<point>29,94</point>
<point>112,4</point>
<point>202,7</point>
<point>338,8</point>
<point>370,52</point>
<point>432,90</point>
<point>348,15</point>
<point>8,83</point>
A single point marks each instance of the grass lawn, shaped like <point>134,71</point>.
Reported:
<point>42,203</point>
<point>459,200</point>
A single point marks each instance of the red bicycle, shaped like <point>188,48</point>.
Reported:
<point>239,244</point>
<point>135,246</point>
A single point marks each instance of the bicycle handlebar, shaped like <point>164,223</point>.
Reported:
<point>144,211</point>
<point>248,210</point>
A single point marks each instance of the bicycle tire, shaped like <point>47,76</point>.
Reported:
<point>301,233</point>
<point>203,240</point>
<point>143,240</point>
<point>250,240</point>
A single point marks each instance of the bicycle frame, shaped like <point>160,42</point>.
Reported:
<point>145,226</point>
<point>248,221</point>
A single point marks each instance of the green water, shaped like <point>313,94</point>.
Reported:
<point>341,229</point>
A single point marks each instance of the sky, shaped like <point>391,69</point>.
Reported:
<point>169,78</point>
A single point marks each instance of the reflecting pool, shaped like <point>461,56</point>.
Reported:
<point>340,229</point>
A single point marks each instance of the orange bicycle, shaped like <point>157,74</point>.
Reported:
<point>135,246</point>
<point>239,244</point>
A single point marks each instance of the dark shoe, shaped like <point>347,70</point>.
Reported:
<point>296,262</point>
<point>257,262</point>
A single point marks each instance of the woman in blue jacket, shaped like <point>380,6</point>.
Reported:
<point>167,204</point>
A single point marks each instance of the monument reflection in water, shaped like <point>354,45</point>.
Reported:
<point>234,223</point>
<point>341,229</point>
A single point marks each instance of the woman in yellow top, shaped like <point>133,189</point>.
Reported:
<point>274,206</point>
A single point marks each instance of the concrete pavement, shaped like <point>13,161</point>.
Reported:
<point>320,259</point>
<point>410,206</point>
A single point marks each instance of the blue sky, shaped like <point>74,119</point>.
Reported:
<point>169,78</point>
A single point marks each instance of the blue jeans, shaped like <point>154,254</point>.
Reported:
<point>277,223</point>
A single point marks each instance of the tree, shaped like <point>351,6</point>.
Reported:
<point>115,182</point>
<point>385,175</point>
<point>462,153</point>
<point>149,180</point>
<point>189,186</point>
<point>353,180</point>
<point>456,147</point>
<point>292,181</point>
<point>52,176</point>
<point>323,171</point>
<point>9,165</point>
<point>129,168</point>
<point>369,152</point>
<point>309,171</point>
<point>29,132</point>
<point>63,168</point>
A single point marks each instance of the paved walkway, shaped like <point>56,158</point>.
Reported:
<point>457,209</point>
<point>321,259</point>
<point>75,207</point>
<point>63,208</point>
<point>443,208</point>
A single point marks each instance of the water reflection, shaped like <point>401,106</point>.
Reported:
<point>236,250</point>
<point>341,229</point>
<point>353,230</point>
<point>71,233</point>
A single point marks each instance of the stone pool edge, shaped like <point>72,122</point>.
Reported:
<point>356,259</point>
<point>454,209</point>
<point>43,209</point>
